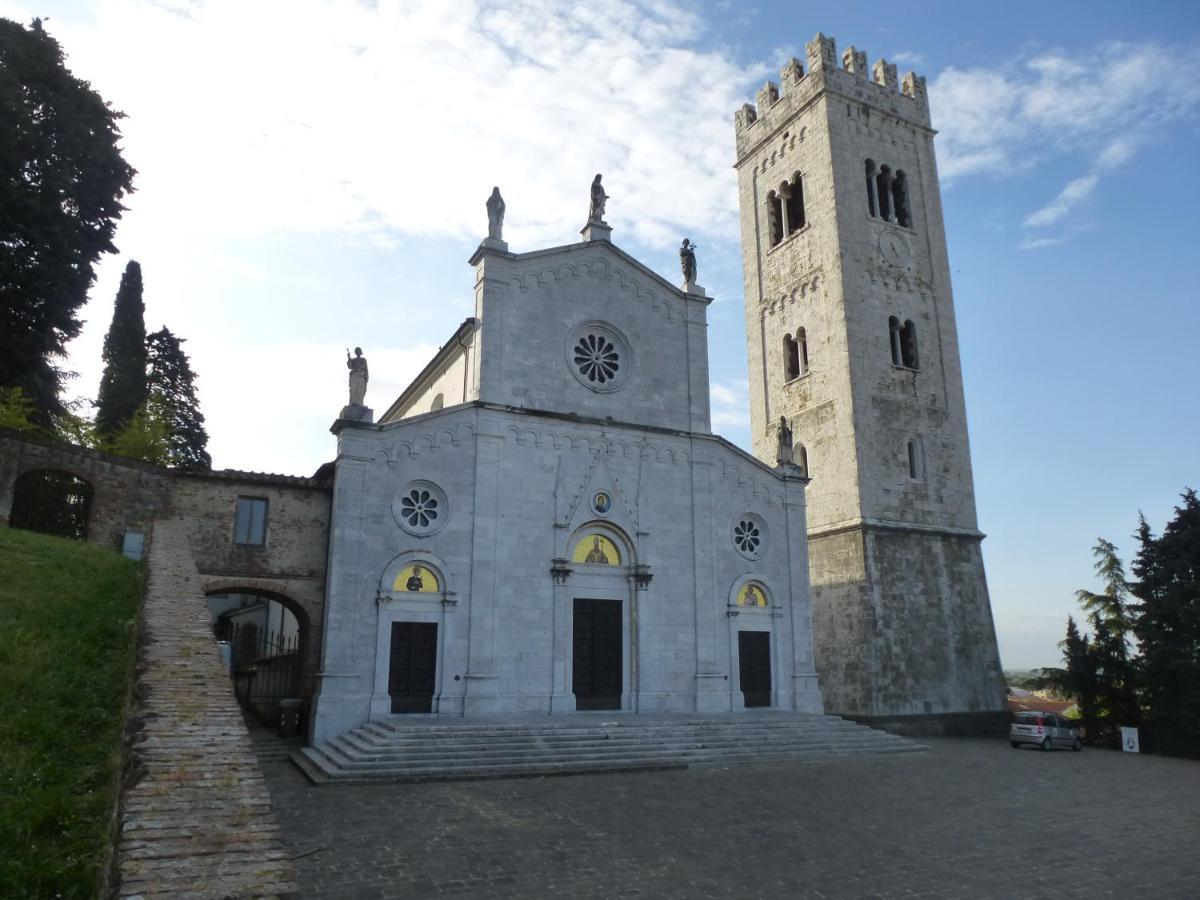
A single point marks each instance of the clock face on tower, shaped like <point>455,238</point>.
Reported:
<point>893,246</point>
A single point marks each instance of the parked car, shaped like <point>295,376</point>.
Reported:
<point>1044,729</point>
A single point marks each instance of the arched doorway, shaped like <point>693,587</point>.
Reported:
<point>263,638</point>
<point>52,502</point>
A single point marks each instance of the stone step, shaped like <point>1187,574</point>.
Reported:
<point>546,749</point>
<point>387,751</point>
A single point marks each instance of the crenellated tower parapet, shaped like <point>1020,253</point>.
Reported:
<point>876,86</point>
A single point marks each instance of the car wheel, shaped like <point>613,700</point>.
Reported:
<point>1015,744</point>
<point>1077,746</point>
<point>1047,745</point>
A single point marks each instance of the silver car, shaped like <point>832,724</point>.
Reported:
<point>1044,729</point>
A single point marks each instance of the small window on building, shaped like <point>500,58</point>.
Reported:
<point>775,217</point>
<point>908,346</point>
<point>795,205</point>
<point>900,199</point>
<point>916,461</point>
<point>791,356</point>
<point>250,521</point>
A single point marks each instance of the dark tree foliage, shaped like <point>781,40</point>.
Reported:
<point>123,385</point>
<point>1167,625</point>
<point>1109,616</point>
<point>1082,682</point>
<point>172,383</point>
<point>61,183</point>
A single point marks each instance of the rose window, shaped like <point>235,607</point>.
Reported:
<point>419,507</point>
<point>597,358</point>
<point>747,537</point>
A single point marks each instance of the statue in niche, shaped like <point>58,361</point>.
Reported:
<point>687,261</point>
<point>599,198</point>
<point>358,376</point>
<point>784,456</point>
<point>597,556</point>
<point>495,211</point>
<point>415,581</point>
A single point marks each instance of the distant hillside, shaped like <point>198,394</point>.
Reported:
<point>68,615</point>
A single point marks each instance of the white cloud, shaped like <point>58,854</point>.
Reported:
<point>907,58</point>
<point>1004,120</point>
<point>330,116</point>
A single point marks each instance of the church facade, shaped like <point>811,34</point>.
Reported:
<point>543,521</point>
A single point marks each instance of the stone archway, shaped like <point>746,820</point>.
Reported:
<point>52,501</point>
<point>270,645</point>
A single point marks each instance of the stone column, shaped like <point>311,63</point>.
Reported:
<point>806,692</point>
<point>562,697</point>
<point>481,673</point>
<point>710,686</point>
<point>640,578</point>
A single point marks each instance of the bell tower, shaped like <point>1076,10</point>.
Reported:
<point>852,339</point>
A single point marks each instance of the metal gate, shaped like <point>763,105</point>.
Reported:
<point>52,502</point>
<point>265,667</point>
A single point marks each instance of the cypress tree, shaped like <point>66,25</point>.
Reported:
<point>172,383</point>
<point>123,387</point>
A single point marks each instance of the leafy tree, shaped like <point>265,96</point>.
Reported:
<point>147,434</point>
<point>1109,616</point>
<point>172,383</point>
<point>1167,624</point>
<point>1081,680</point>
<point>62,179</point>
<point>16,410</point>
<point>123,385</point>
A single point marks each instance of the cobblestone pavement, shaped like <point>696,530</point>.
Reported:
<point>971,818</point>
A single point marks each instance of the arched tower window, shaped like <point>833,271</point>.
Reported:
<point>795,205</point>
<point>894,339</point>
<point>872,206</point>
<point>800,456</point>
<point>908,345</point>
<point>883,192</point>
<point>900,199</point>
<point>791,357</point>
<point>774,217</point>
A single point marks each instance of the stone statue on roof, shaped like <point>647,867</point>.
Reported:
<point>495,211</point>
<point>785,455</point>
<point>358,376</point>
<point>687,261</point>
<point>599,198</point>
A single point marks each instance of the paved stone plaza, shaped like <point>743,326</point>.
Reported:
<point>970,818</point>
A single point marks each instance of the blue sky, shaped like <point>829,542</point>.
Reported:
<point>312,176</point>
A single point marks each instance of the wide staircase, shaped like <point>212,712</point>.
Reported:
<point>403,749</point>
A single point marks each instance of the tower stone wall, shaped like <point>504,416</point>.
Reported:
<point>852,338</point>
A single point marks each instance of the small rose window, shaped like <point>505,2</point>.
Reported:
<point>749,535</point>
<point>597,358</point>
<point>419,508</point>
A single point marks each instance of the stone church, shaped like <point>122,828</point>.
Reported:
<point>543,521</point>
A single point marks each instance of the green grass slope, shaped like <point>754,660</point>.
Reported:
<point>67,630</point>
